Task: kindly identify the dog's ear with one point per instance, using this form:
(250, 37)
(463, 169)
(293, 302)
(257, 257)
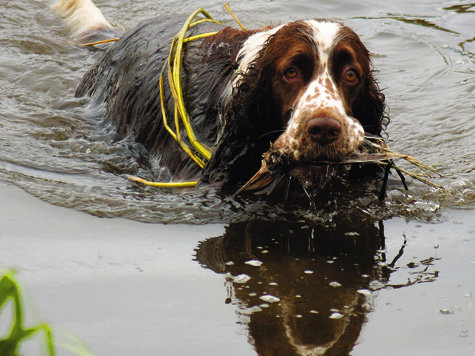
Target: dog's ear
(369, 107)
(232, 162)
(251, 123)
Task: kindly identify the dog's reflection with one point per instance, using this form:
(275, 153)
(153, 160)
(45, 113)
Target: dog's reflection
(300, 288)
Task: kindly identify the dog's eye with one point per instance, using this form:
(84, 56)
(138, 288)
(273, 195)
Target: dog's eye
(351, 76)
(291, 73)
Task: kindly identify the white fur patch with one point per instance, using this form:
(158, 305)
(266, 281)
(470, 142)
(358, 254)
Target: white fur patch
(252, 46)
(81, 16)
(247, 54)
(325, 36)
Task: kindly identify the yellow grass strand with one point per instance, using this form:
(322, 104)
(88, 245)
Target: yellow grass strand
(190, 184)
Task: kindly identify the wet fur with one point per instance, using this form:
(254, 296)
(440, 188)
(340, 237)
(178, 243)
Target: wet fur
(123, 87)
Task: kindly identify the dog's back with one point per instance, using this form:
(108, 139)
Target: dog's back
(124, 84)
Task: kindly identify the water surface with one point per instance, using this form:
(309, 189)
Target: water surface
(424, 54)
(52, 149)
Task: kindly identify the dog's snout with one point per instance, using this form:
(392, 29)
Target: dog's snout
(323, 130)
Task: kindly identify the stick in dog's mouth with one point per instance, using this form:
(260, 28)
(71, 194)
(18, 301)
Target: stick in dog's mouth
(374, 150)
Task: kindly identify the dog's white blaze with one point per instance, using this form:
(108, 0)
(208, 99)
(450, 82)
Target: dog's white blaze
(319, 95)
(325, 35)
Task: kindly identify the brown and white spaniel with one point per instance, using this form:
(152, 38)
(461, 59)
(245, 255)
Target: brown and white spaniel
(303, 92)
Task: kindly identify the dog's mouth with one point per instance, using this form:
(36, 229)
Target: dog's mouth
(310, 174)
(314, 175)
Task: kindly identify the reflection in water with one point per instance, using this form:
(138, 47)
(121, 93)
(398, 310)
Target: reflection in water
(465, 46)
(300, 289)
(305, 290)
(419, 22)
(462, 8)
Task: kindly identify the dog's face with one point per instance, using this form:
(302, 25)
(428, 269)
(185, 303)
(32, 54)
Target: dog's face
(318, 71)
(307, 87)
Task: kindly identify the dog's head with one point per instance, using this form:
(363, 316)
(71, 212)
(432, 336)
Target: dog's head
(307, 87)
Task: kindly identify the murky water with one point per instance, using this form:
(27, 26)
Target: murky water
(424, 53)
(49, 146)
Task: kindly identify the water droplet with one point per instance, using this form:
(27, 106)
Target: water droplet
(254, 263)
(446, 311)
(374, 285)
(335, 284)
(254, 309)
(336, 316)
(269, 298)
(364, 291)
(242, 278)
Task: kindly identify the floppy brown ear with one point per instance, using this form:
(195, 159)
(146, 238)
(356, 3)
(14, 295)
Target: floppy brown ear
(250, 127)
(370, 107)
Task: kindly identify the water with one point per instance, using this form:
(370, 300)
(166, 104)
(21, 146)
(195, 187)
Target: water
(424, 54)
(49, 147)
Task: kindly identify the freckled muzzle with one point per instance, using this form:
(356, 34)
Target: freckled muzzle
(319, 128)
(322, 135)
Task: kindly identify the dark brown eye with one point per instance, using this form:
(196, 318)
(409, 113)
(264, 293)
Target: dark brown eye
(351, 76)
(291, 73)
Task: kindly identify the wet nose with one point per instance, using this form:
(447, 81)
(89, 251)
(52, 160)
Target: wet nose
(323, 130)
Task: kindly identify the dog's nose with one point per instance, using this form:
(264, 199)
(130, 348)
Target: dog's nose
(323, 130)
